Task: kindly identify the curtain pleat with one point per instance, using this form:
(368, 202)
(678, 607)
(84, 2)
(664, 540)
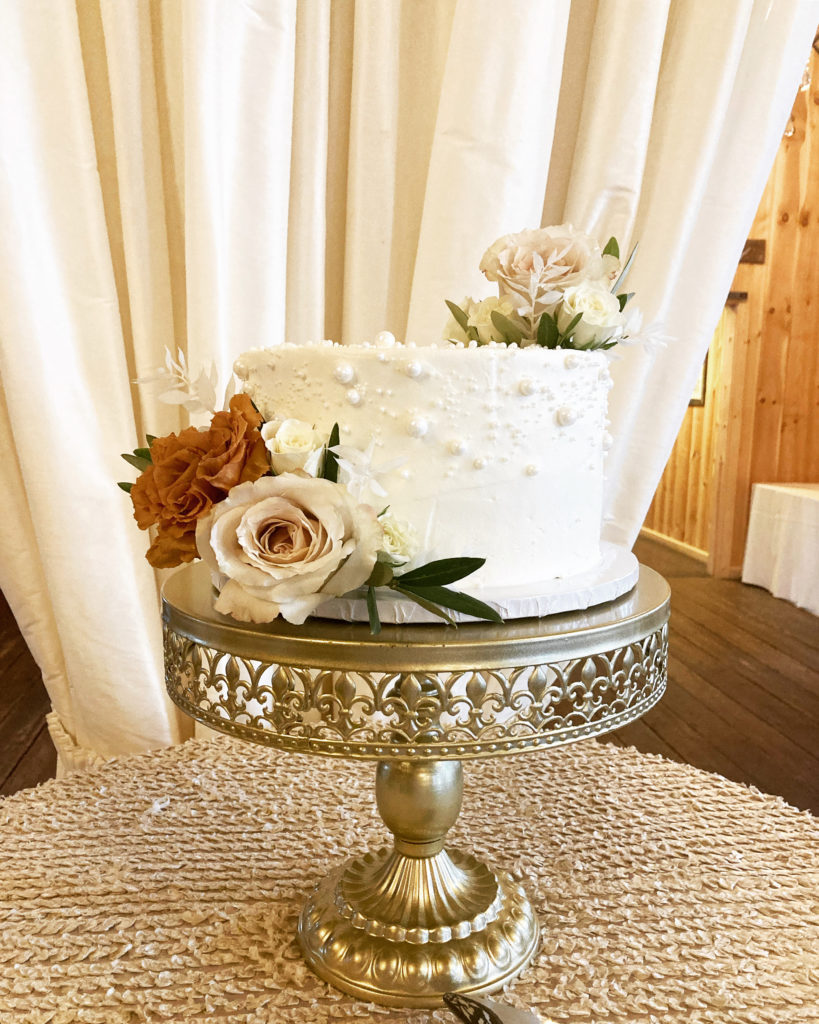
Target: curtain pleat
(238, 62)
(212, 176)
(307, 215)
(714, 137)
(65, 376)
(490, 153)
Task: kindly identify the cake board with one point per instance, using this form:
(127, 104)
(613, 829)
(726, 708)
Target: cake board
(614, 575)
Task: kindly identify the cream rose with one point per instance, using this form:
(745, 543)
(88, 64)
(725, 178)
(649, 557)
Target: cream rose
(602, 319)
(535, 266)
(400, 540)
(479, 316)
(282, 545)
(290, 444)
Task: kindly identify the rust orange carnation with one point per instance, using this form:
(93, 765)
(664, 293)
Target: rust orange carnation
(190, 472)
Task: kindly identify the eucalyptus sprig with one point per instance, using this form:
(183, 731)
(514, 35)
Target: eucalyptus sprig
(427, 586)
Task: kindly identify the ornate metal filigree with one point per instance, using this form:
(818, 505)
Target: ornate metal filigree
(424, 714)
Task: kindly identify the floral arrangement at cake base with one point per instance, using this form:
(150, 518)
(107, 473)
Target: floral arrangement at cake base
(288, 518)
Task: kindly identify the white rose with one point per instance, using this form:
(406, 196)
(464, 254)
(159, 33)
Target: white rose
(479, 316)
(540, 263)
(290, 443)
(602, 319)
(400, 539)
(282, 545)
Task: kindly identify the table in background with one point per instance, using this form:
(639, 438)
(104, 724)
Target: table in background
(782, 549)
(166, 887)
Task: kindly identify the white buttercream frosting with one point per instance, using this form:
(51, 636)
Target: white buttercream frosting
(497, 451)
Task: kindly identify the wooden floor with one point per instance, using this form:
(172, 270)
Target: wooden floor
(27, 755)
(742, 699)
(743, 683)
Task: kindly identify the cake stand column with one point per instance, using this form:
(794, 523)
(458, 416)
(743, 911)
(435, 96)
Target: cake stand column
(402, 926)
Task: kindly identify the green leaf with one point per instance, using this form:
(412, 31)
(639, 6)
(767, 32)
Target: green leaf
(574, 322)
(455, 600)
(623, 298)
(548, 334)
(143, 453)
(125, 486)
(136, 462)
(150, 438)
(460, 317)
(443, 570)
(372, 612)
(430, 607)
(329, 469)
(612, 248)
(510, 331)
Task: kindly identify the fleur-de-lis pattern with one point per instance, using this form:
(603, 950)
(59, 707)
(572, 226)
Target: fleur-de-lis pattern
(423, 714)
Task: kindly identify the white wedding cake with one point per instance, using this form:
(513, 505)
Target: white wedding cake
(491, 451)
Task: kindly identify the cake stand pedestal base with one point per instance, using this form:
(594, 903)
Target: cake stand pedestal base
(403, 926)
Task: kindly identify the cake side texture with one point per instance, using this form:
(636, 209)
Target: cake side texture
(491, 451)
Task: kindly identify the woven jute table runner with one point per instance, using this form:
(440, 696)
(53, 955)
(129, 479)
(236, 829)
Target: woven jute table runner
(167, 887)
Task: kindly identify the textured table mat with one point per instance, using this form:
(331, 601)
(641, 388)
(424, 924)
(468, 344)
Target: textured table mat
(167, 887)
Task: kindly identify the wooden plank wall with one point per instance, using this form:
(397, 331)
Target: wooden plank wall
(681, 506)
(764, 423)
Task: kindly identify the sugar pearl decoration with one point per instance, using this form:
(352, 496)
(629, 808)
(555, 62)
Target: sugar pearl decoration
(566, 416)
(457, 446)
(344, 373)
(572, 361)
(418, 426)
(385, 339)
(413, 369)
(354, 397)
(531, 469)
(479, 463)
(526, 386)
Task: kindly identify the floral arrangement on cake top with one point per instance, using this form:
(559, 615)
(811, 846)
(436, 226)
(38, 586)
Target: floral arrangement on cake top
(556, 288)
(274, 511)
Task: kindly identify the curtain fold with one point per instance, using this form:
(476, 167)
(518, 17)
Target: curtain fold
(65, 378)
(214, 176)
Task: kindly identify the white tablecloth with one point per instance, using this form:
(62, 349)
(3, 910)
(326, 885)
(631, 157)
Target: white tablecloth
(782, 550)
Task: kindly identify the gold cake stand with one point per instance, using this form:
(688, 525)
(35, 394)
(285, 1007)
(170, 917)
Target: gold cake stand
(407, 923)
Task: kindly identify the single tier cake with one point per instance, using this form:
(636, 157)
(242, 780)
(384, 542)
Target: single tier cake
(492, 451)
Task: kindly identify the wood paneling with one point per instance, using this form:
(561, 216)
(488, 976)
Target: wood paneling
(681, 506)
(760, 423)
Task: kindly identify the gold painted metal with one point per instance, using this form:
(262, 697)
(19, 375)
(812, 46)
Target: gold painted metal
(403, 925)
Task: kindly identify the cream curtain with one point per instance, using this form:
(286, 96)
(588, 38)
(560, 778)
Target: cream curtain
(215, 175)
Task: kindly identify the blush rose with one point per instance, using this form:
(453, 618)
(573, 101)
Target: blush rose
(544, 261)
(283, 545)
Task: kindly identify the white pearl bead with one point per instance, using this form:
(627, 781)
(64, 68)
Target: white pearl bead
(572, 361)
(354, 397)
(457, 446)
(418, 427)
(531, 469)
(413, 369)
(344, 373)
(385, 339)
(479, 463)
(566, 416)
(526, 386)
